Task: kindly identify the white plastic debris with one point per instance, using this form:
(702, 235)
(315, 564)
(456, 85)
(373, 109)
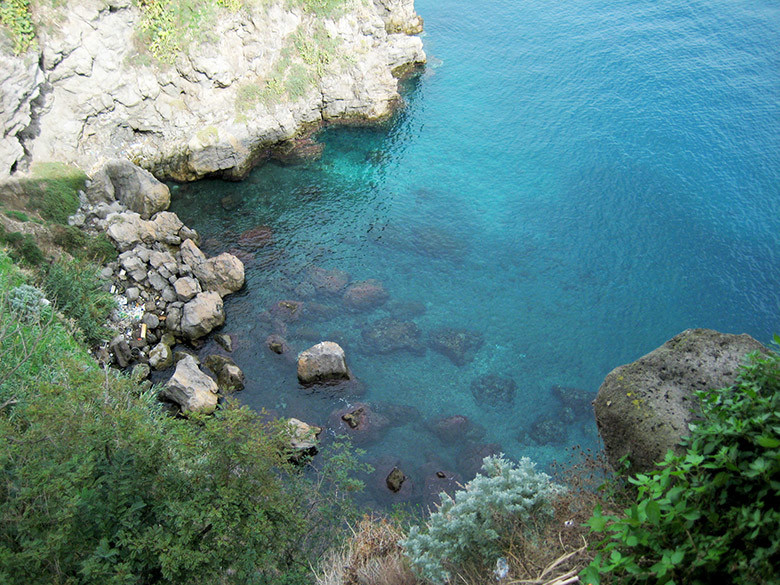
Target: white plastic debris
(502, 569)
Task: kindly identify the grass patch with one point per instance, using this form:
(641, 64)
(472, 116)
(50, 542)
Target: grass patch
(18, 215)
(54, 190)
(83, 246)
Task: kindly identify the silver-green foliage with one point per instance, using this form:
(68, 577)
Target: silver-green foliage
(470, 526)
(25, 301)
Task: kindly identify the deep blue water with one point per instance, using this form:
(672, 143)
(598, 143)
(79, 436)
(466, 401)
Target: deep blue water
(577, 181)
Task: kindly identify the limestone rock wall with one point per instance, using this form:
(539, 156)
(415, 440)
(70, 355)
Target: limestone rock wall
(98, 97)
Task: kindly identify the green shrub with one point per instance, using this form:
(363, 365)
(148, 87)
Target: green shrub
(470, 527)
(710, 515)
(15, 16)
(17, 215)
(24, 248)
(54, 190)
(99, 486)
(76, 289)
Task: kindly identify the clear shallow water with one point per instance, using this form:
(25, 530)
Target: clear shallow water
(577, 181)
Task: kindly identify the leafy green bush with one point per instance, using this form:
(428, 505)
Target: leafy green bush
(15, 16)
(710, 515)
(76, 289)
(54, 190)
(469, 528)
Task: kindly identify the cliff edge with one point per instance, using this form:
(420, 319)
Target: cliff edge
(206, 96)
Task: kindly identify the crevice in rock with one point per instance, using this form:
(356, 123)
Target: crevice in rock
(27, 135)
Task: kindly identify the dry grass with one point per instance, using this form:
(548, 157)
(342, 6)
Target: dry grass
(372, 556)
(550, 552)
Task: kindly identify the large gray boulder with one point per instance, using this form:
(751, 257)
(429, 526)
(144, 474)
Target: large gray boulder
(643, 409)
(202, 314)
(324, 362)
(190, 388)
(303, 439)
(135, 188)
(223, 274)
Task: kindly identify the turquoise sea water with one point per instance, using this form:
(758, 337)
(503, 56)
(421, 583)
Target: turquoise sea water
(576, 181)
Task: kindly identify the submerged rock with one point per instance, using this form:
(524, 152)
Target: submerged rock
(360, 422)
(324, 362)
(459, 345)
(327, 281)
(579, 401)
(457, 430)
(365, 296)
(390, 335)
(644, 408)
(494, 390)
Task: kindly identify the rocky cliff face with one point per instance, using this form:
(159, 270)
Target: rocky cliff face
(255, 77)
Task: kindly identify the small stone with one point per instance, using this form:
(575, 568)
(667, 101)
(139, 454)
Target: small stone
(152, 321)
(224, 341)
(132, 294)
(140, 372)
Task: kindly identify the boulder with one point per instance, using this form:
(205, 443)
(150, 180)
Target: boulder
(323, 362)
(230, 378)
(643, 409)
(223, 274)
(121, 350)
(303, 439)
(202, 314)
(494, 390)
(459, 345)
(186, 288)
(225, 341)
(390, 335)
(365, 296)
(190, 388)
(132, 186)
(128, 229)
(395, 479)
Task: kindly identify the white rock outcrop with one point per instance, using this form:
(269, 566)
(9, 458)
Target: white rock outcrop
(92, 98)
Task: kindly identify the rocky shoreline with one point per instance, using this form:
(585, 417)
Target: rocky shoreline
(260, 79)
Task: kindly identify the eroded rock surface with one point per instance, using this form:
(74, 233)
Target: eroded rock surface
(87, 95)
(190, 388)
(644, 408)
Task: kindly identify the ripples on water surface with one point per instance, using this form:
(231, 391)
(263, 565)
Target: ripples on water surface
(576, 181)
